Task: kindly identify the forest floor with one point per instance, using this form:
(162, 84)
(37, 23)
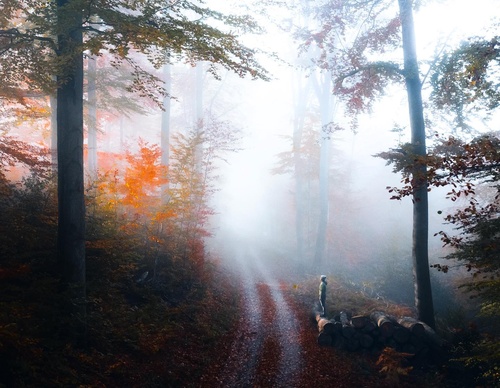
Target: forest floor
(274, 344)
(261, 335)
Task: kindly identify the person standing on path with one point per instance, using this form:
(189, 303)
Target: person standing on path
(322, 293)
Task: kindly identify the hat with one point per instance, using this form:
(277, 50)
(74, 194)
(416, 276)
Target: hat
(323, 277)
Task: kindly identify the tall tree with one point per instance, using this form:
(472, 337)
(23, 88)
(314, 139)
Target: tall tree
(301, 94)
(420, 251)
(71, 220)
(325, 98)
(92, 116)
(360, 81)
(183, 29)
(165, 126)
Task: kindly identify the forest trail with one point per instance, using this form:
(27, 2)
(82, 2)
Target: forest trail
(266, 351)
(274, 343)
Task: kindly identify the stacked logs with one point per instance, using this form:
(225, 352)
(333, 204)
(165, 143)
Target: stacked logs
(376, 331)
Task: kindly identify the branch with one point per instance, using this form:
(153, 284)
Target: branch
(436, 59)
(387, 66)
(17, 37)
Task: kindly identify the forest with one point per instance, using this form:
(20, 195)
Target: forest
(176, 176)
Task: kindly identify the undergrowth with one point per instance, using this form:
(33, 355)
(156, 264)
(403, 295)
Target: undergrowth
(140, 331)
(471, 356)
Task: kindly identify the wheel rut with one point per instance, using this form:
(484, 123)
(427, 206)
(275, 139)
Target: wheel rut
(266, 351)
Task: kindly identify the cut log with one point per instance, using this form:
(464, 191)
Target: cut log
(318, 316)
(324, 339)
(409, 348)
(383, 322)
(359, 321)
(415, 327)
(432, 337)
(352, 345)
(369, 327)
(343, 318)
(337, 327)
(347, 330)
(326, 326)
(401, 334)
(338, 341)
(366, 340)
(417, 341)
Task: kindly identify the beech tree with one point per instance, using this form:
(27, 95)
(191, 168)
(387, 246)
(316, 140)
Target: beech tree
(465, 84)
(359, 81)
(40, 40)
(470, 171)
(465, 81)
(318, 50)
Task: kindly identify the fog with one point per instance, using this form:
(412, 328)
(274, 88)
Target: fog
(369, 235)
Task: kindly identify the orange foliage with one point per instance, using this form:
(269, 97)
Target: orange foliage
(143, 178)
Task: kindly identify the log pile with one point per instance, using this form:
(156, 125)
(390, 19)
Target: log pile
(376, 331)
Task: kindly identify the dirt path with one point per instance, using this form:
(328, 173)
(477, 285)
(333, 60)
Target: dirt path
(266, 351)
(274, 344)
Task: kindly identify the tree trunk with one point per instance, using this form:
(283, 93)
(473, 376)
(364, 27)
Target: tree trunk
(325, 99)
(71, 222)
(199, 125)
(53, 131)
(302, 94)
(384, 323)
(423, 292)
(92, 117)
(165, 128)
(414, 326)
(325, 325)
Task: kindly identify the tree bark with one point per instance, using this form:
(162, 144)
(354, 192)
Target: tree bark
(92, 117)
(359, 321)
(324, 339)
(325, 325)
(384, 323)
(325, 100)
(53, 131)
(423, 292)
(71, 219)
(414, 326)
(299, 111)
(401, 334)
(165, 128)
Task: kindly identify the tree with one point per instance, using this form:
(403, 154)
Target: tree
(471, 169)
(30, 56)
(465, 80)
(420, 251)
(191, 174)
(315, 58)
(465, 83)
(359, 81)
(324, 95)
(70, 178)
(165, 127)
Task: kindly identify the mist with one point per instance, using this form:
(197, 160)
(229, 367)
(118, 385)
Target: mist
(368, 238)
(369, 235)
(177, 179)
